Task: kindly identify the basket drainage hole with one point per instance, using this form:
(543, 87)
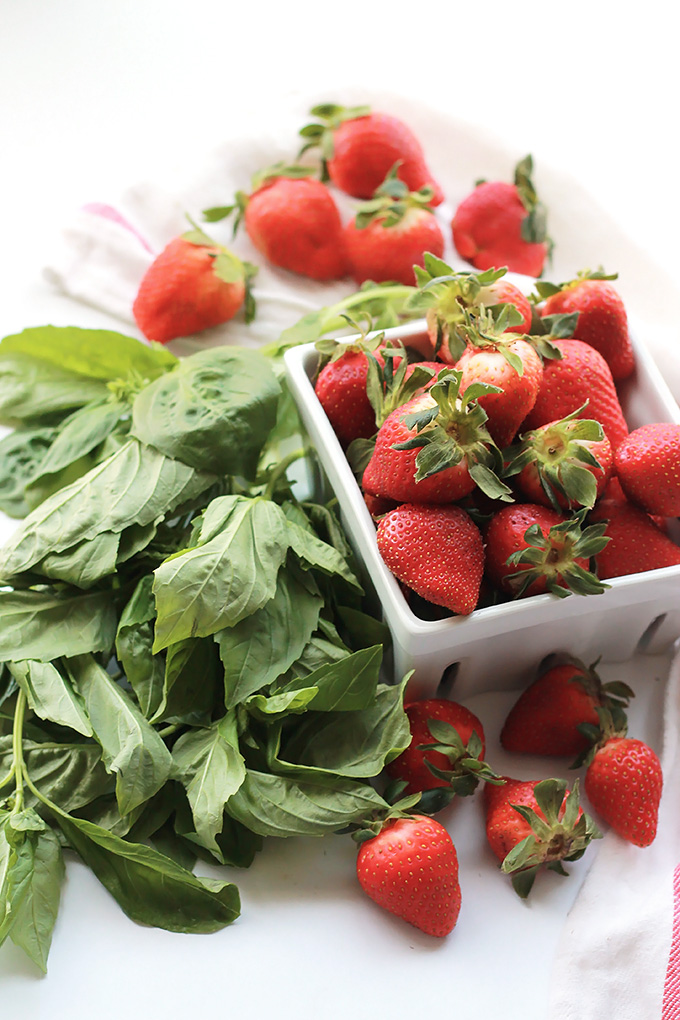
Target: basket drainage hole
(650, 632)
(448, 678)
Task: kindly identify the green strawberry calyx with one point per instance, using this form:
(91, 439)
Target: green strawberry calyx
(391, 201)
(227, 266)
(467, 769)
(237, 208)
(451, 427)
(553, 556)
(319, 133)
(545, 289)
(562, 457)
(612, 723)
(535, 223)
(559, 832)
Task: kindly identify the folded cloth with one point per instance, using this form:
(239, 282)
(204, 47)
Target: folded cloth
(619, 952)
(104, 252)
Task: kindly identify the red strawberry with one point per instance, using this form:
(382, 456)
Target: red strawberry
(623, 783)
(579, 381)
(602, 319)
(530, 825)
(194, 284)
(532, 549)
(546, 717)
(410, 868)
(501, 224)
(437, 551)
(636, 544)
(648, 468)
(455, 759)
(360, 147)
(391, 233)
(295, 224)
(513, 366)
(434, 449)
(563, 464)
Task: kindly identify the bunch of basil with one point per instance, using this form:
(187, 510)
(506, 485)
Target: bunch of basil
(186, 663)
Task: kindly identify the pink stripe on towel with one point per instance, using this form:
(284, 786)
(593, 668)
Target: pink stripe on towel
(671, 990)
(109, 213)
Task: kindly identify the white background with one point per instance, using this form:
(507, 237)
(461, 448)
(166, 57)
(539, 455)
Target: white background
(95, 96)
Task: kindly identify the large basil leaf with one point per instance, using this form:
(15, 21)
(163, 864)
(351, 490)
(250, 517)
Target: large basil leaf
(144, 671)
(263, 646)
(20, 455)
(136, 485)
(36, 914)
(32, 391)
(70, 774)
(346, 685)
(211, 770)
(151, 888)
(131, 748)
(45, 625)
(214, 411)
(227, 576)
(287, 806)
(191, 682)
(51, 695)
(90, 353)
(85, 563)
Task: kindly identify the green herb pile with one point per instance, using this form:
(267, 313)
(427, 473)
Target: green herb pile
(186, 660)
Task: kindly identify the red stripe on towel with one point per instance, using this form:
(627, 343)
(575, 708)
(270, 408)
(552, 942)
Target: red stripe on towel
(671, 989)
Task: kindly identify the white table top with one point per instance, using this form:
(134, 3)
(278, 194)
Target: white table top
(96, 96)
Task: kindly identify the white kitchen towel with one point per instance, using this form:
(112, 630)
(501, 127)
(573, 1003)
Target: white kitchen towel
(101, 262)
(619, 953)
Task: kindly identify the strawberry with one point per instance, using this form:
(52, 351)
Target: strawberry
(194, 284)
(359, 147)
(623, 783)
(532, 549)
(444, 296)
(532, 825)
(546, 717)
(391, 233)
(437, 551)
(636, 544)
(445, 754)
(292, 219)
(502, 224)
(410, 868)
(507, 362)
(580, 380)
(435, 448)
(602, 320)
(648, 468)
(563, 464)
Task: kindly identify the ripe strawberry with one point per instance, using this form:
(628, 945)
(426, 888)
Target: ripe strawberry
(391, 233)
(636, 544)
(511, 365)
(501, 224)
(446, 749)
(546, 717)
(648, 468)
(579, 381)
(434, 449)
(532, 549)
(532, 825)
(623, 783)
(359, 147)
(410, 868)
(602, 319)
(437, 551)
(194, 284)
(563, 464)
(341, 389)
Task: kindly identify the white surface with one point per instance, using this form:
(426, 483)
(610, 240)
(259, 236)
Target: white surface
(98, 96)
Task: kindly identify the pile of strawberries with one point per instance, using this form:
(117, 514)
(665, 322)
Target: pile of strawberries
(293, 219)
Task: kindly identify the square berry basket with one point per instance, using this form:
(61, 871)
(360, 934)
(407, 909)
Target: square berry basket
(497, 647)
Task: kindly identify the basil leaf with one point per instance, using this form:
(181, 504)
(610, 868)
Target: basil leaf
(131, 748)
(70, 774)
(85, 563)
(31, 391)
(45, 625)
(192, 677)
(316, 553)
(151, 888)
(214, 411)
(284, 806)
(17, 851)
(344, 686)
(50, 695)
(20, 455)
(90, 353)
(288, 703)
(36, 915)
(144, 671)
(136, 485)
(262, 646)
(227, 576)
(211, 770)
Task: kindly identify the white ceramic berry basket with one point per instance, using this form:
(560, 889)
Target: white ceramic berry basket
(497, 647)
